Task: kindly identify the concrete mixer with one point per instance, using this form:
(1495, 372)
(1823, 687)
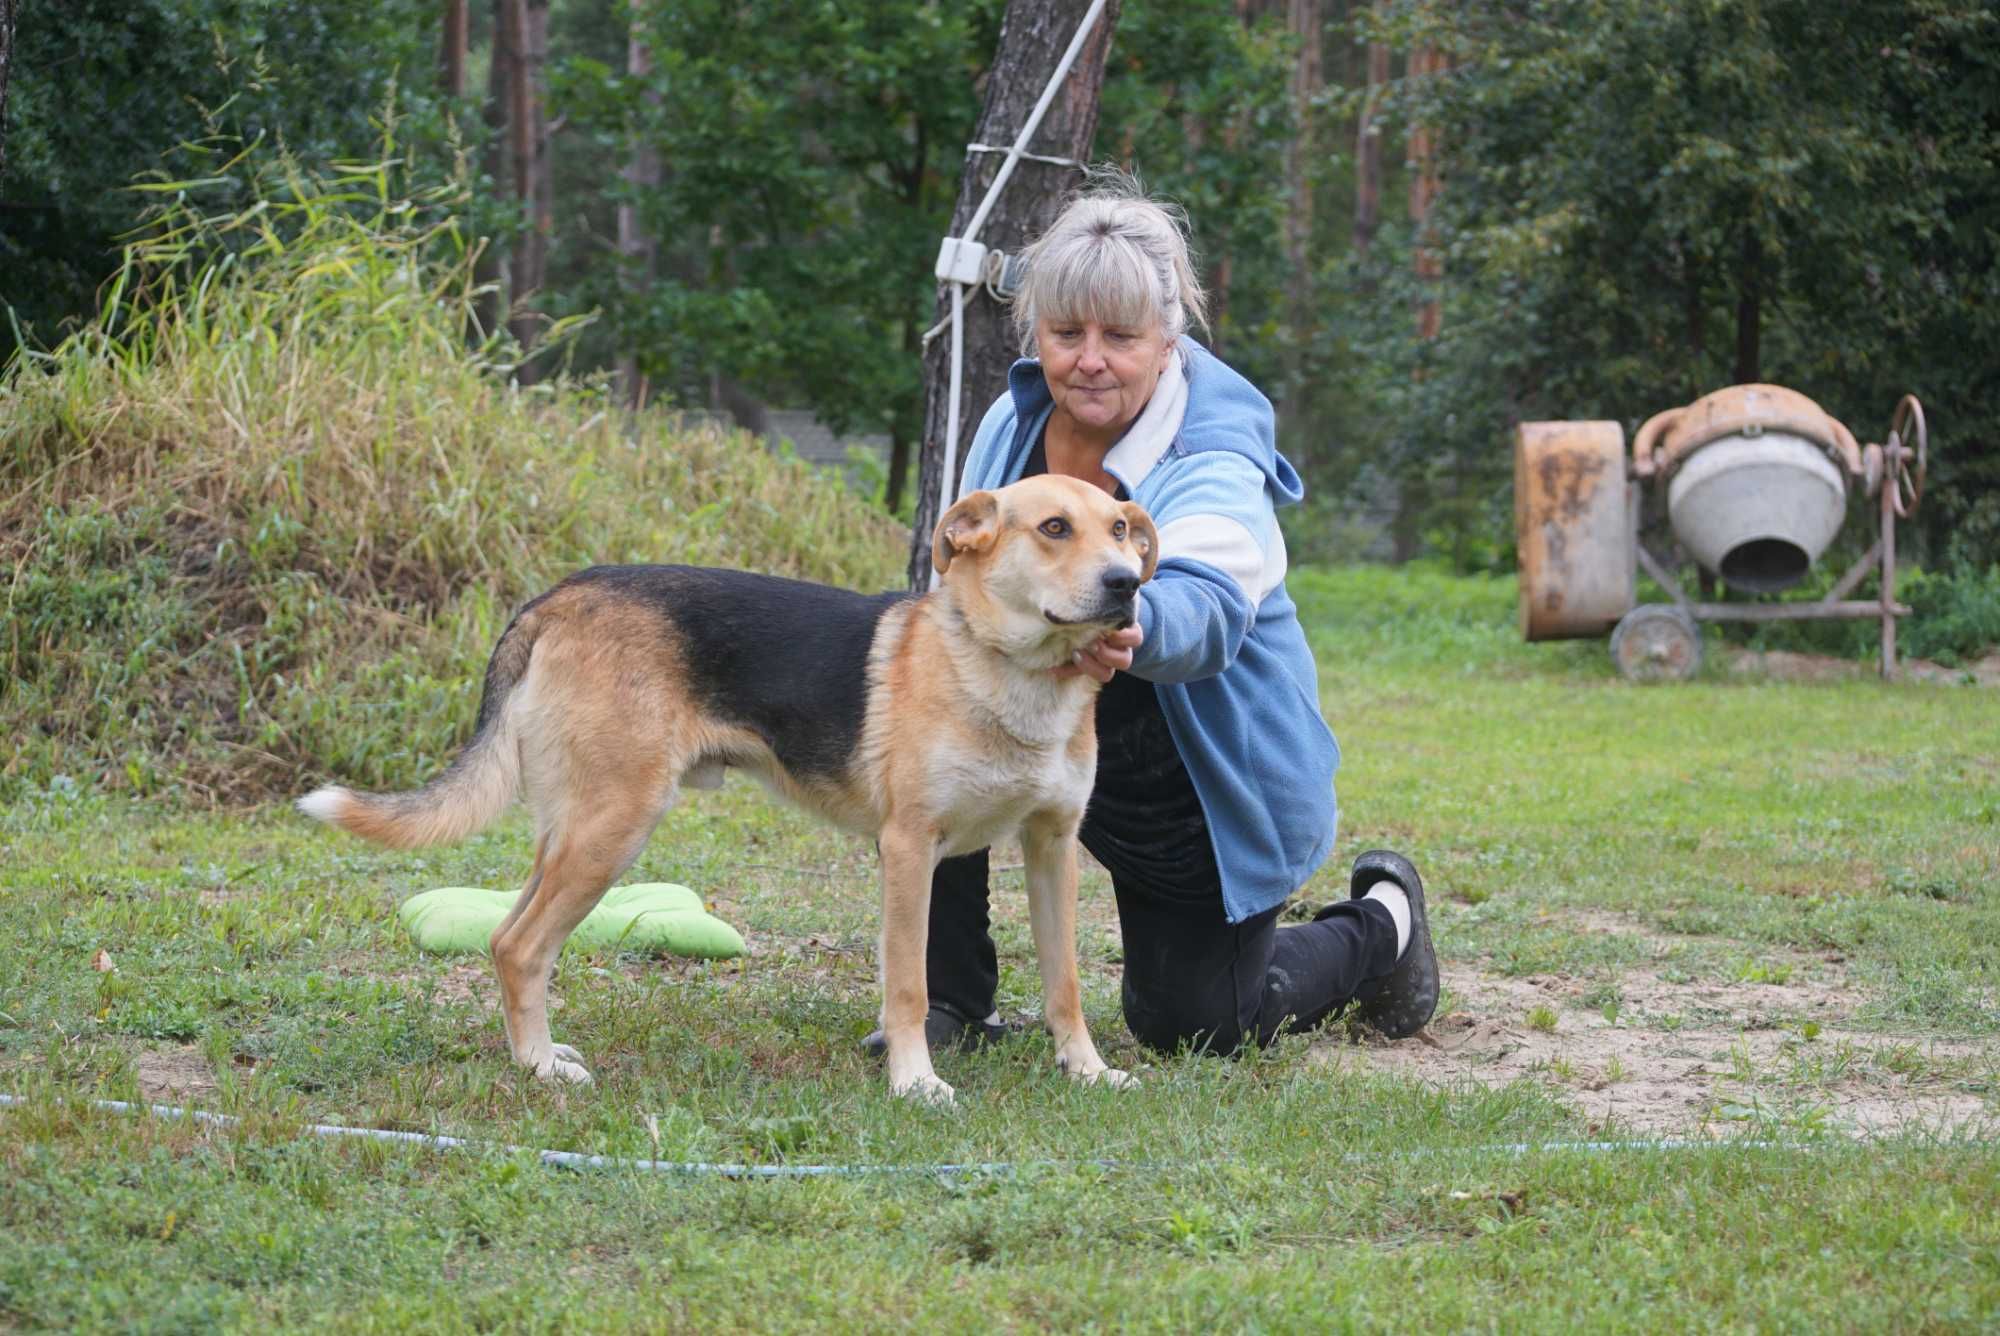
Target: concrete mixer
(1752, 483)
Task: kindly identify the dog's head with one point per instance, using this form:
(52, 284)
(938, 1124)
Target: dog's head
(1046, 565)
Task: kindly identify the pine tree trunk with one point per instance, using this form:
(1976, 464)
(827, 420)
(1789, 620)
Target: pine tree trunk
(451, 48)
(487, 270)
(1749, 312)
(529, 143)
(635, 246)
(1307, 79)
(6, 66)
(1428, 264)
(1307, 26)
(1368, 154)
(1033, 36)
(1695, 313)
(1221, 273)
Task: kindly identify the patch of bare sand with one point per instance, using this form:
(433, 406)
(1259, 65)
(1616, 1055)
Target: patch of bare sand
(1683, 1058)
(174, 1073)
(470, 981)
(1788, 666)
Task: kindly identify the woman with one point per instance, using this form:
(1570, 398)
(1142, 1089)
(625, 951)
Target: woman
(1214, 795)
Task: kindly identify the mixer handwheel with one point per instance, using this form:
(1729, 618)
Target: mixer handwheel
(1907, 466)
(1656, 642)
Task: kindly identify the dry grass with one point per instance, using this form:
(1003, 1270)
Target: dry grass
(276, 492)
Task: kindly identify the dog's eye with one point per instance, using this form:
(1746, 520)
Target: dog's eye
(1056, 527)
(1118, 529)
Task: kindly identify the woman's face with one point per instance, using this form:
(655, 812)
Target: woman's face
(1101, 375)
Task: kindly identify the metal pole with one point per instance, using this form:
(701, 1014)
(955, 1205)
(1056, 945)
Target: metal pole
(1889, 566)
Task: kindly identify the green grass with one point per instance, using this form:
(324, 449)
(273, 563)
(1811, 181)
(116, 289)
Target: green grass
(1739, 830)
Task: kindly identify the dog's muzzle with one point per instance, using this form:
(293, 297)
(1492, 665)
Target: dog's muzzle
(1117, 605)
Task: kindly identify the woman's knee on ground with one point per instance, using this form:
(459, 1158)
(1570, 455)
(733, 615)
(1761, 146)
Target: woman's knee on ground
(1168, 1025)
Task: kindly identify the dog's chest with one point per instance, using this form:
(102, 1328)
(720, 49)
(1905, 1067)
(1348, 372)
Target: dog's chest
(986, 793)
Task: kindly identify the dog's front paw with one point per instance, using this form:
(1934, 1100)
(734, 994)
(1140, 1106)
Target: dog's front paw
(925, 1089)
(1090, 1070)
(563, 1064)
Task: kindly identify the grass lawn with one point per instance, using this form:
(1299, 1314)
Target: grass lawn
(1756, 913)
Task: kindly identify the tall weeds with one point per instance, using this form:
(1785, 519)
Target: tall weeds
(263, 518)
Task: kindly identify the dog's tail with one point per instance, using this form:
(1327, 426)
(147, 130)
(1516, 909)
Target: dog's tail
(481, 780)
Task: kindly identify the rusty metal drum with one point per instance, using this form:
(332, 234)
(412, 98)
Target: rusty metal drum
(1573, 528)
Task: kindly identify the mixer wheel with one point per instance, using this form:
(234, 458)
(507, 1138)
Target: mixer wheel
(1656, 642)
(1908, 464)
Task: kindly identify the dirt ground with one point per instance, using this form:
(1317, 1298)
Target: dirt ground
(1787, 666)
(174, 1075)
(1696, 1057)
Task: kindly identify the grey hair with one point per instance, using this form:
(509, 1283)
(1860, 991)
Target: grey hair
(1115, 255)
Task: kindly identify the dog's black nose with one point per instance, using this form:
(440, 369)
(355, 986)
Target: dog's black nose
(1121, 583)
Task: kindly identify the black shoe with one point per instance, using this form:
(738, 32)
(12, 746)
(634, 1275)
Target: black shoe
(1402, 1002)
(945, 1028)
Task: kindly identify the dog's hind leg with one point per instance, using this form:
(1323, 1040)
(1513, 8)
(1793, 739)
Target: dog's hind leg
(593, 846)
(1048, 848)
(521, 902)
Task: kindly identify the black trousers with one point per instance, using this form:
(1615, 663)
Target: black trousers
(1191, 976)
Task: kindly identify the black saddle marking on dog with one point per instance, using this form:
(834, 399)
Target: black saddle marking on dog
(785, 658)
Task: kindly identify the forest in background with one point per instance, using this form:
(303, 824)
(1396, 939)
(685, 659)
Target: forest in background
(1421, 223)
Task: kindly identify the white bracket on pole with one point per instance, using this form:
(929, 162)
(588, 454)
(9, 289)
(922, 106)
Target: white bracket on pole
(961, 261)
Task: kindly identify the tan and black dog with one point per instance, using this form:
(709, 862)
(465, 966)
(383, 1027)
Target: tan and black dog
(933, 723)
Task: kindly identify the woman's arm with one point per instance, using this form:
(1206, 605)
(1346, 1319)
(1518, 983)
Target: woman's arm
(1220, 553)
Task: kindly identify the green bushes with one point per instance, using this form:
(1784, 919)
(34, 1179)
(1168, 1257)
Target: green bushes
(1954, 615)
(263, 519)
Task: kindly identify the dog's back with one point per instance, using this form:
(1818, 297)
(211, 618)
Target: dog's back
(784, 659)
(665, 673)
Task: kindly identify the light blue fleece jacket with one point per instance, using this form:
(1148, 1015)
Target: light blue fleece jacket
(1223, 645)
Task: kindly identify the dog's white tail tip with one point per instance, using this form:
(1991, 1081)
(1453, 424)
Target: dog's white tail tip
(325, 804)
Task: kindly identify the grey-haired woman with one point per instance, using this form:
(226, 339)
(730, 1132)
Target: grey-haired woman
(1214, 797)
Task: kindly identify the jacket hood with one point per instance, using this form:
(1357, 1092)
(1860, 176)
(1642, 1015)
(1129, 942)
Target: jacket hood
(1223, 411)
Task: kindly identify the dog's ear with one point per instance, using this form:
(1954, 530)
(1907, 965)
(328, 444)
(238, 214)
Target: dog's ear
(1144, 537)
(969, 526)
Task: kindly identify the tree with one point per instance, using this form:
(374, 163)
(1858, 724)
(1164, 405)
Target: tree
(1368, 152)
(528, 150)
(1644, 202)
(102, 92)
(1308, 78)
(808, 153)
(1204, 98)
(452, 40)
(1425, 63)
(641, 174)
(1033, 37)
(6, 64)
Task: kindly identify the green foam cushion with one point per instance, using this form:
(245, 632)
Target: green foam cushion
(654, 916)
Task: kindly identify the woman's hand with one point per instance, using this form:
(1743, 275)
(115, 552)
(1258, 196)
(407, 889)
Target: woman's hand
(1112, 654)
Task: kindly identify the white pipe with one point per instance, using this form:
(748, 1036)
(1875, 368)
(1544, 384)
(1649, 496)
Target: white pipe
(947, 482)
(566, 1159)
